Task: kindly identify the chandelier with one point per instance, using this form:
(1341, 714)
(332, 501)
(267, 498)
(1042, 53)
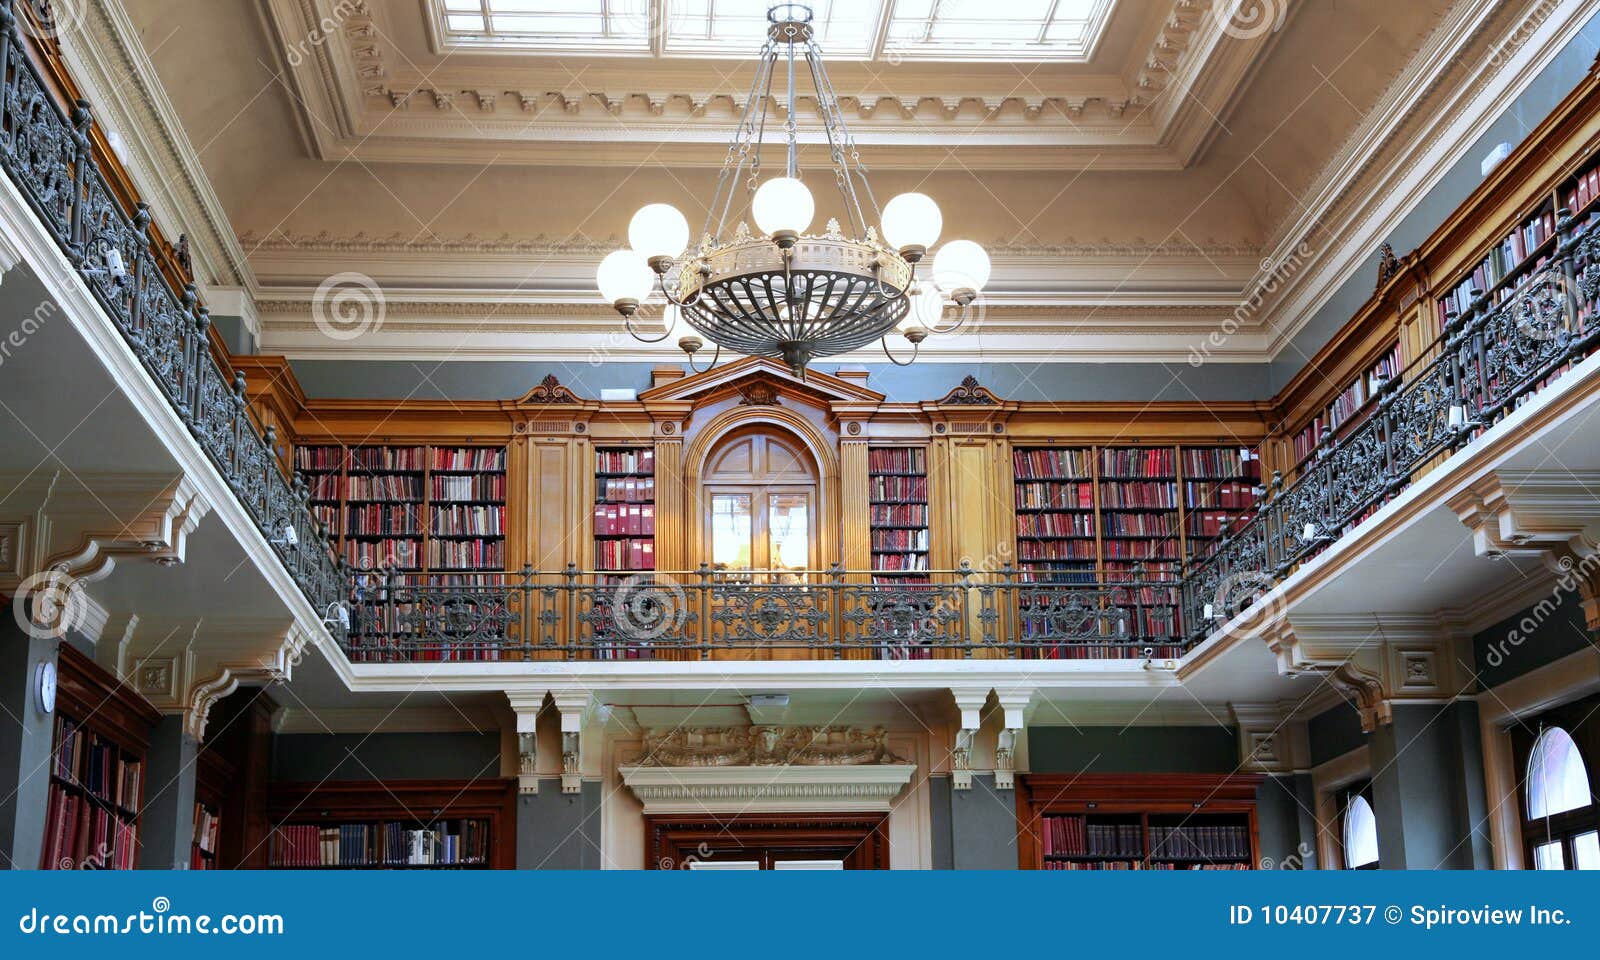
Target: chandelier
(785, 293)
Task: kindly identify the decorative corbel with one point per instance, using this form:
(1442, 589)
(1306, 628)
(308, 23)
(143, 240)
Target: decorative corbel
(1351, 663)
(1013, 709)
(573, 707)
(969, 701)
(527, 754)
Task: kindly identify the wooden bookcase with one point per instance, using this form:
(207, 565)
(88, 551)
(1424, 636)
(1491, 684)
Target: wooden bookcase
(479, 813)
(1348, 409)
(624, 514)
(897, 504)
(215, 776)
(1115, 514)
(1099, 821)
(98, 769)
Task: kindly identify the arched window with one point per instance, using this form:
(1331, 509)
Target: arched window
(1360, 834)
(1561, 806)
(1557, 778)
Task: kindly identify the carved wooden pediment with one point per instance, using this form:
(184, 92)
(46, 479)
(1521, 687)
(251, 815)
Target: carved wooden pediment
(761, 381)
(548, 392)
(971, 393)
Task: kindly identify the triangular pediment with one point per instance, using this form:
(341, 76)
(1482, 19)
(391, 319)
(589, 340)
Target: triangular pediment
(754, 375)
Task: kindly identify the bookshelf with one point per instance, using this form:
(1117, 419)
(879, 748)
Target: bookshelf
(396, 825)
(1112, 515)
(417, 508)
(1350, 406)
(624, 511)
(1138, 821)
(897, 505)
(97, 769)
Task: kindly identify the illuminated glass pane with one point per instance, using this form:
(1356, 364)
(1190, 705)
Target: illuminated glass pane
(1360, 833)
(1586, 851)
(730, 531)
(1549, 856)
(1557, 779)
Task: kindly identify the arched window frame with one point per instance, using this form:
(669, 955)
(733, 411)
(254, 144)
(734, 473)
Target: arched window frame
(1358, 802)
(1568, 838)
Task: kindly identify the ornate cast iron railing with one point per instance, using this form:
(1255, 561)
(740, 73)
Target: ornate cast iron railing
(704, 614)
(1490, 359)
(48, 157)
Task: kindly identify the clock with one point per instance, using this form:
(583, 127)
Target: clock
(44, 685)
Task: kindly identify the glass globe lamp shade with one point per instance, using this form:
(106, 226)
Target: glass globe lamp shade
(961, 269)
(911, 224)
(624, 280)
(783, 208)
(658, 233)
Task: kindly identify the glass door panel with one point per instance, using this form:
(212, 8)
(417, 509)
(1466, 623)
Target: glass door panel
(789, 531)
(732, 538)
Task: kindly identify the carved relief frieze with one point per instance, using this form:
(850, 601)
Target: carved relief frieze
(768, 746)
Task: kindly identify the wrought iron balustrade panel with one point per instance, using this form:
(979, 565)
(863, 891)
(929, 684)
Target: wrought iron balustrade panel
(902, 621)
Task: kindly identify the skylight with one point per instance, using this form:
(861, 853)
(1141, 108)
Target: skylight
(866, 29)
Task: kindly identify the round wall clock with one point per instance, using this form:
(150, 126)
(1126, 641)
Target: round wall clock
(44, 684)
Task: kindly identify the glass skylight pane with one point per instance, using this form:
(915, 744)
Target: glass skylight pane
(546, 6)
(550, 24)
(1070, 30)
(462, 6)
(463, 23)
(1037, 29)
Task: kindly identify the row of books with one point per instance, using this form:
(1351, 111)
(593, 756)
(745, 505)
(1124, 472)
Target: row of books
(467, 554)
(1201, 841)
(1138, 494)
(624, 519)
(1346, 404)
(1138, 524)
(480, 487)
(1051, 464)
(1140, 549)
(487, 459)
(474, 520)
(625, 554)
(95, 764)
(447, 843)
(334, 458)
(897, 460)
(1094, 865)
(1204, 525)
(898, 489)
(381, 554)
(1136, 462)
(1104, 651)
(324, 486)
(1055, 524)
(391, 487)
(81, 834)
(1584, 191)
(1235, 495)
(207, 834)
(898, 514)
(1056, 550)
(1220, 463)
(370, 519)
(630, 490)
(900, 561)
(1075, 836)
(640, 460)
(899, 541)
(1142, 621)
(1502, 260)
(1059, 496)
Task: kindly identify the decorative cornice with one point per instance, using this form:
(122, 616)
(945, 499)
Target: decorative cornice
(766, 746)
(755, 789)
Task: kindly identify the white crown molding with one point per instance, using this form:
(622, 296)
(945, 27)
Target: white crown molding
(356, 98)
(109, 63)
(1420, 128)
(767, 789)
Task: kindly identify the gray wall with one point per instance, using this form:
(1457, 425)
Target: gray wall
(496, 380)
(385, 756)
(1286, 823)
(166, 824)
(1514, 123)
(983, 827)
(1427, 791)
(25, 737)
(1546, 631)
(1132, 750)
(559, 831)
(1334, 733)
(940, 823)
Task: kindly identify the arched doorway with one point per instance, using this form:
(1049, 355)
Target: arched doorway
(759, 499)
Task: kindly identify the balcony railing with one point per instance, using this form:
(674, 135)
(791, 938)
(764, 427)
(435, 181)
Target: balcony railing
(705, 614)
(1489, 360)
(48, 157)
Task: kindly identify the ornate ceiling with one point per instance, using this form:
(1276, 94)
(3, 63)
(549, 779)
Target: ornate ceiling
(1199, 160)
